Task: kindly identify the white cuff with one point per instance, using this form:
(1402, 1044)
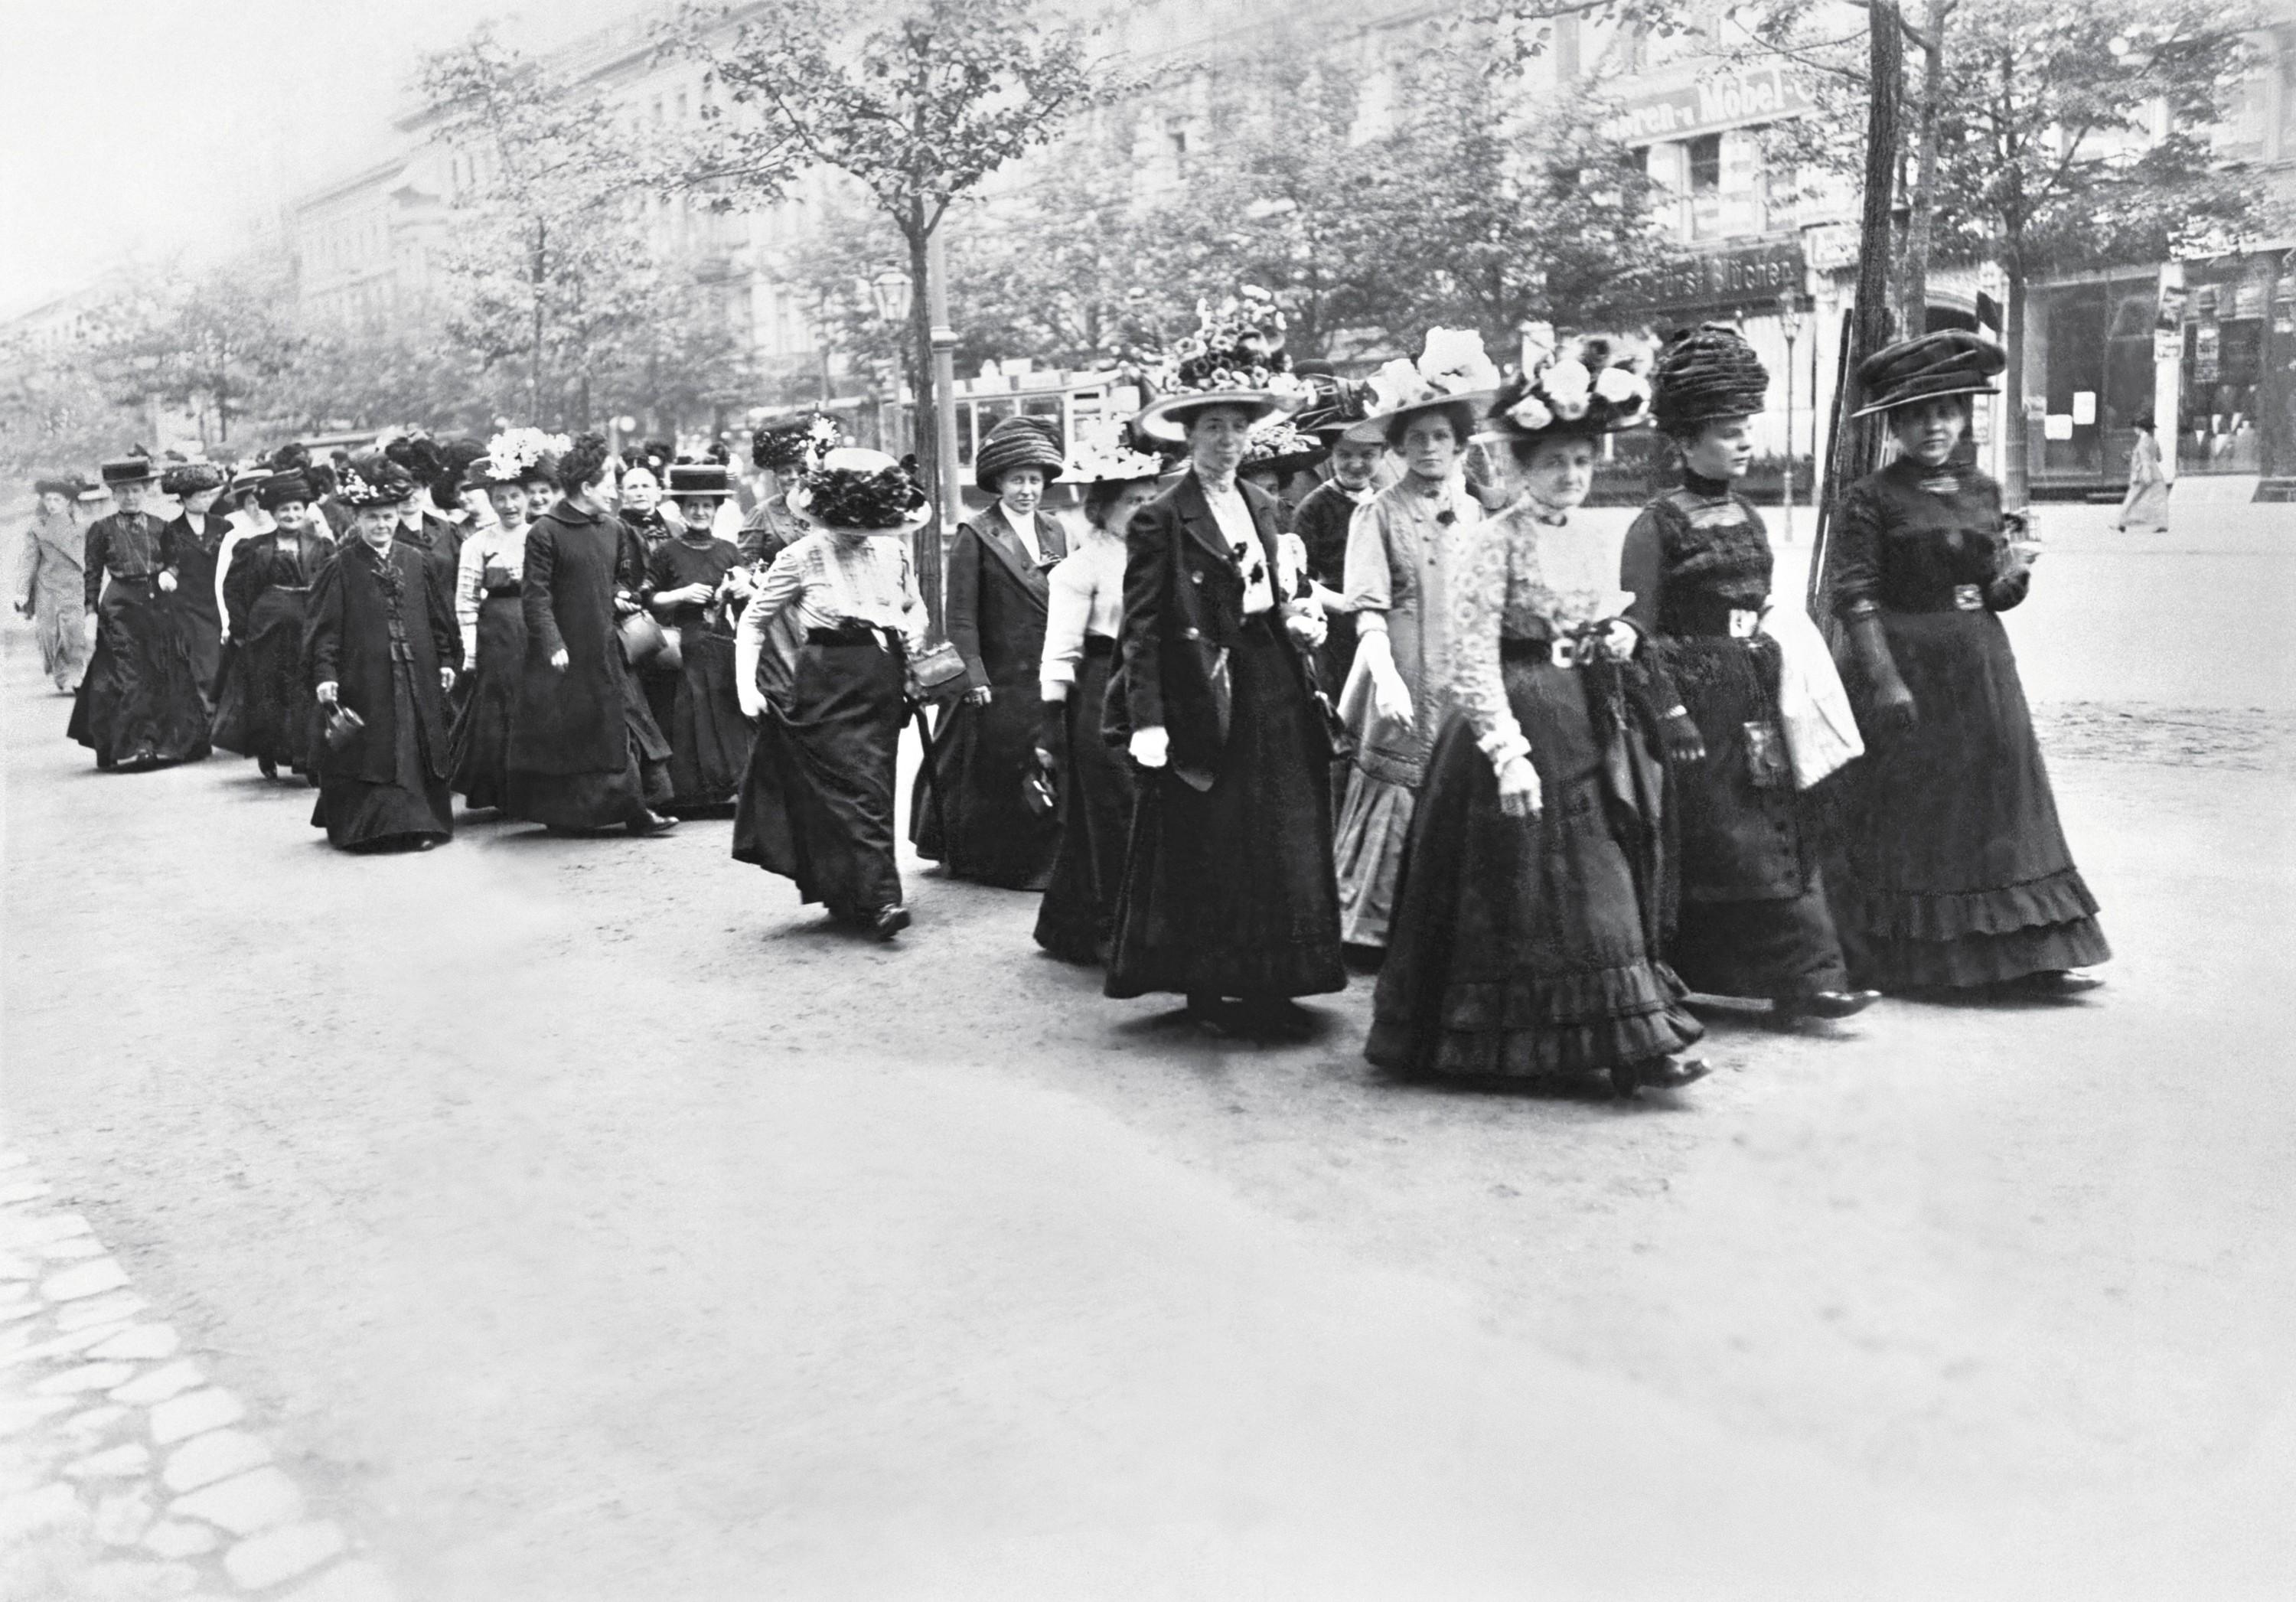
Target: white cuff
(1504, 745)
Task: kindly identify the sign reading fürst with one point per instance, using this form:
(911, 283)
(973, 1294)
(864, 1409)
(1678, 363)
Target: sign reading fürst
(1720, 100)
(1754, 276)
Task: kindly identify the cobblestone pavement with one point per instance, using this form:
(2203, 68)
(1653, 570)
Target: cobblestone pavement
(125, 1474)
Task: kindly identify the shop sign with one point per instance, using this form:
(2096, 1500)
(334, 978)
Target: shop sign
(1719, 101)
(2206, 349)
(2168, 345)
(1749, 279)
(1831, 246)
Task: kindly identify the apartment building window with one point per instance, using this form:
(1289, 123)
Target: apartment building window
(681, 105)
(657, 111)
(1705, 160)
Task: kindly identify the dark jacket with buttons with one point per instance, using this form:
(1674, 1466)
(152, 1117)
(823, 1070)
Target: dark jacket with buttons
(1183, 614)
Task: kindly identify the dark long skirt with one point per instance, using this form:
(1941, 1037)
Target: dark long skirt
(817, 804)
(586, 803)
(1229, 891)
(266, 708)
(1957, 873)
(1078, 913)
(1754, 917)
(480, 743)
(141, 700)
(1521, 948)
(709, 737)
(413, 806)
(980, 756)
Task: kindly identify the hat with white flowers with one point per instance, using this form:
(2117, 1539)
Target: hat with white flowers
(1596, 387)
(1234, 358)
(1452, 371)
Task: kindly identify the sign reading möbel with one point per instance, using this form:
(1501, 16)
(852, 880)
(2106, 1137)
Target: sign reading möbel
(1721, 99)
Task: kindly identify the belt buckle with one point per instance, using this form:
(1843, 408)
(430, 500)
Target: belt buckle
(1968, 597)
(1743, 622)
(1563, 653)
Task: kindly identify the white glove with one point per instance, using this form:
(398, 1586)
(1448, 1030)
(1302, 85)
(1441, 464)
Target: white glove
(1151, 747)
(1620, 638)
(1308, 628)
(752, 700)
(1519, 788)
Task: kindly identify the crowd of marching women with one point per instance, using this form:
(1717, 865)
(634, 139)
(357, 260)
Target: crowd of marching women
(1327, 678)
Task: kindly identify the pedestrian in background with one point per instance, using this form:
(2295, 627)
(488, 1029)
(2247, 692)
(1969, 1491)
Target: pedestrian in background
(141, 702)
(585, 755)
(2146, 505)
(379, 652)
(1084, 613)
(54, 570)
(1524, 943)
(984, 826)
(1400, 547)
(490, 612)
(1754, 919)
(1228, 897)
(264, 710)
(695, 584)
(817, 806)
(1957, 871)
(191, 552)
(782, 451)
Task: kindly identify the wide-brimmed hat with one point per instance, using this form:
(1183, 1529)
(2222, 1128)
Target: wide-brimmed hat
(1705, 373)
(1234, 358)
(374, 481)
(180, 479)
(522, 455)
(1949, 362)
(96, 491)
(789, 445)
(1019, 442)
(1594, 388)
(1451, 371)
(134, 468)
(1099, 455)
(699, 481)
(860, 491)
(1282, 445)
(282, 487)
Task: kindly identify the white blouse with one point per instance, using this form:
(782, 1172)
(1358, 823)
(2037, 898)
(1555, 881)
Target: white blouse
(490, 545)
(825, 581)
(1087, 598)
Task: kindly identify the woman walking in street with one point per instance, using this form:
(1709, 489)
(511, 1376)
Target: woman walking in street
(1083, 612)
(817, 804)
(380, 652)
(141, 702)
(55, 550)
(1400, 546)
(983, 827)
(190, 554)
(694, 582)
(2146, 505)
(265, 709)
(1523, 944)
(1754, 919)
(490, 610)
(1957, 871)
(584, 754)
(1228, 897)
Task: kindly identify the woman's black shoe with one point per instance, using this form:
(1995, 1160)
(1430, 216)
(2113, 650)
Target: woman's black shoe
(268, 767)
(1827, 1004)
(2057, 982)
(652, 823)
(890, 920)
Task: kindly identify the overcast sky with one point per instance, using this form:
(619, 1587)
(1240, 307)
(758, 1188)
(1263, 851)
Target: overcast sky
(147, 127)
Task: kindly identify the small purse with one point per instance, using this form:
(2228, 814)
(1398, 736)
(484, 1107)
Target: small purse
(344, 727)
(643, 639)
(935, 673)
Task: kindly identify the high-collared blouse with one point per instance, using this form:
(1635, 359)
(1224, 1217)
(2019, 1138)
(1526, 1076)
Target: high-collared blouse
(1087, 598)
(1518, 578)
(486, 545)
(830, 581)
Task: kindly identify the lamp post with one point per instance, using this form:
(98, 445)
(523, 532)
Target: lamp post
(1790, 310)
(944, 379)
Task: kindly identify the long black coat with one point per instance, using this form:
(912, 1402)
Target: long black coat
(997, 599)
(355, 626)
(572, 721)
(192, 558)
(439, 544)
(1183, 614)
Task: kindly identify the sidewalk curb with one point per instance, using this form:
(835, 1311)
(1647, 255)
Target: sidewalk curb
(124, 1473)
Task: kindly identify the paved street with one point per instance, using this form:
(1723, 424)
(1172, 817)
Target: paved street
(584, 1219)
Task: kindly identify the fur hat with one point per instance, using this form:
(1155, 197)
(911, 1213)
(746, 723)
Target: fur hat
(1949, 362)
(861, 491)
(281, 488)
(191, 478)
(793, 444)
(1703, 374)
(1594, 389)
(1018, 442)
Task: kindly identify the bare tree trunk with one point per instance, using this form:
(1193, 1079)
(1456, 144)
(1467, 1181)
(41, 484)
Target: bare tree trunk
(925, 431)
(2016, 462)
(1914, 288)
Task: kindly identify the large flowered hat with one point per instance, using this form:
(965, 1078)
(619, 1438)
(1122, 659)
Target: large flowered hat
(1234, 358)
(1452, 371)
(792, 444)
(857, 490)
(1596, 386)
(522, 455)
(372, 481)
(1099, 455)
(1704, 373)
(1282, 445)
(1949, 362)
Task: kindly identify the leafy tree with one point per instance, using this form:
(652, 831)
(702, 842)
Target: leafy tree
(917, 100)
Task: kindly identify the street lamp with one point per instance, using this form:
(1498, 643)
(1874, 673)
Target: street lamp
(890, 292)
(1790, 313)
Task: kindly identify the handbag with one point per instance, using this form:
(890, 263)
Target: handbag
(643, 639)
(344, 726)
(935, 673)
